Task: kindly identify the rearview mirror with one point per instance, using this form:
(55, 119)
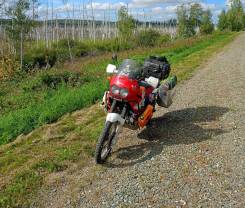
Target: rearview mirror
(111, 69)
(114, 58)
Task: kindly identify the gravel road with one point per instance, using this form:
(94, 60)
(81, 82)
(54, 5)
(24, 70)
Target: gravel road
(193, 156)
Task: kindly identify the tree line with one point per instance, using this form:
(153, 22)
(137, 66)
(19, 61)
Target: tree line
(193, 19)
(234, 18)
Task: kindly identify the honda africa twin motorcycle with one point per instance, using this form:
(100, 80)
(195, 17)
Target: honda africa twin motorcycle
(131, 100)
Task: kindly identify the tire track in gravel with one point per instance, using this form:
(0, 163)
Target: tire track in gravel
(194, 154)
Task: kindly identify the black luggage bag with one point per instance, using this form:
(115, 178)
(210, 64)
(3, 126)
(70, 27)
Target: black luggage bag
(157, 67)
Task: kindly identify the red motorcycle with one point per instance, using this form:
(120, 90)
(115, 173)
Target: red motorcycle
(130, 102)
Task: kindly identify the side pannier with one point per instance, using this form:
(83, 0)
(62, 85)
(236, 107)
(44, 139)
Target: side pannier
(166, 92)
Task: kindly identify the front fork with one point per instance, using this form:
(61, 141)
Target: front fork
(117, 118)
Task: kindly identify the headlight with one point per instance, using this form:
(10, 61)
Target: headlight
(124, 93)
(115, 90)
(119, 91)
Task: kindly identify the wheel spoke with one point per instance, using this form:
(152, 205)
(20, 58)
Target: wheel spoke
(107, 145)
(104, 145)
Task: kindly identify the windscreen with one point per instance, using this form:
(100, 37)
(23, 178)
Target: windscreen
(130, 68)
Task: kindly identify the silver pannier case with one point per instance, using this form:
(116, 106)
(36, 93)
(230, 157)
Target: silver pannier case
(166, 92)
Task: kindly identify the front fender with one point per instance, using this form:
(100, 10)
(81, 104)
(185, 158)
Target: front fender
(114, 117)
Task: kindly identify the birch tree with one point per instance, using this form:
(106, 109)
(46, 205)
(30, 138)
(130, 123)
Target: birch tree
(185, 24)
(207, 26)
(21, 25)
(65, 2)
(236, 16)
(223, 24)
(196, 15)
(126, 23)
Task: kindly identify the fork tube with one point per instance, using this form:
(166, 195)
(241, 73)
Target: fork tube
(113, 106)
(124, 111)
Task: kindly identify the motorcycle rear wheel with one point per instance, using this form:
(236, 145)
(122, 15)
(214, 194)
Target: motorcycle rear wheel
(104, 145)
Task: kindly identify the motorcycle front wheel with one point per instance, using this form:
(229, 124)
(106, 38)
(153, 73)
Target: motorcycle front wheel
(104, 145)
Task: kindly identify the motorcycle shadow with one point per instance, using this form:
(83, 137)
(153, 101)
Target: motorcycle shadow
(186, 126)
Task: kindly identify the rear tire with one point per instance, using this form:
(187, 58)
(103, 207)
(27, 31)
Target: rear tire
(104, 145)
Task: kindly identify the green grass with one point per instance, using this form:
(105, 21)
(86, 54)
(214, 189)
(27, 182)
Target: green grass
(34, 103)
(48, 165)
(39, 56)
(65, 100)
(28, 163)
(23, 187)
(25, 164)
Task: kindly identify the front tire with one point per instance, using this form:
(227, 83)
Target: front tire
(104, 145)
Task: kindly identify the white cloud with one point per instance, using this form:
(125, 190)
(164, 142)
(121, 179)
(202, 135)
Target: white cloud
(208, 6)
(106, 5)
(157, 10)
(150, 3)
(171, 9)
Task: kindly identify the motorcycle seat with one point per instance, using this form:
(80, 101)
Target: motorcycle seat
(144, 84)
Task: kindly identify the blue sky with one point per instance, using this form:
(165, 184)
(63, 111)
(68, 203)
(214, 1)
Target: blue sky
(141, 9)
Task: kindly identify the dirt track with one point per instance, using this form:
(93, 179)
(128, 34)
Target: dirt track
(194, 156)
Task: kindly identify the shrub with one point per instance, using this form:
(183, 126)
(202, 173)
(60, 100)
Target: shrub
(81, 49)
(39, 58)
(116, 46)
(66, 43)
(111, 45)
(54, 80)
(8, 66)
(103, 46)
(147, 38)
(164, 39)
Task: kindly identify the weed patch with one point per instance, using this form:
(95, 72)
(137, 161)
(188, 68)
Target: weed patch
(21, 190)
(50, 166)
